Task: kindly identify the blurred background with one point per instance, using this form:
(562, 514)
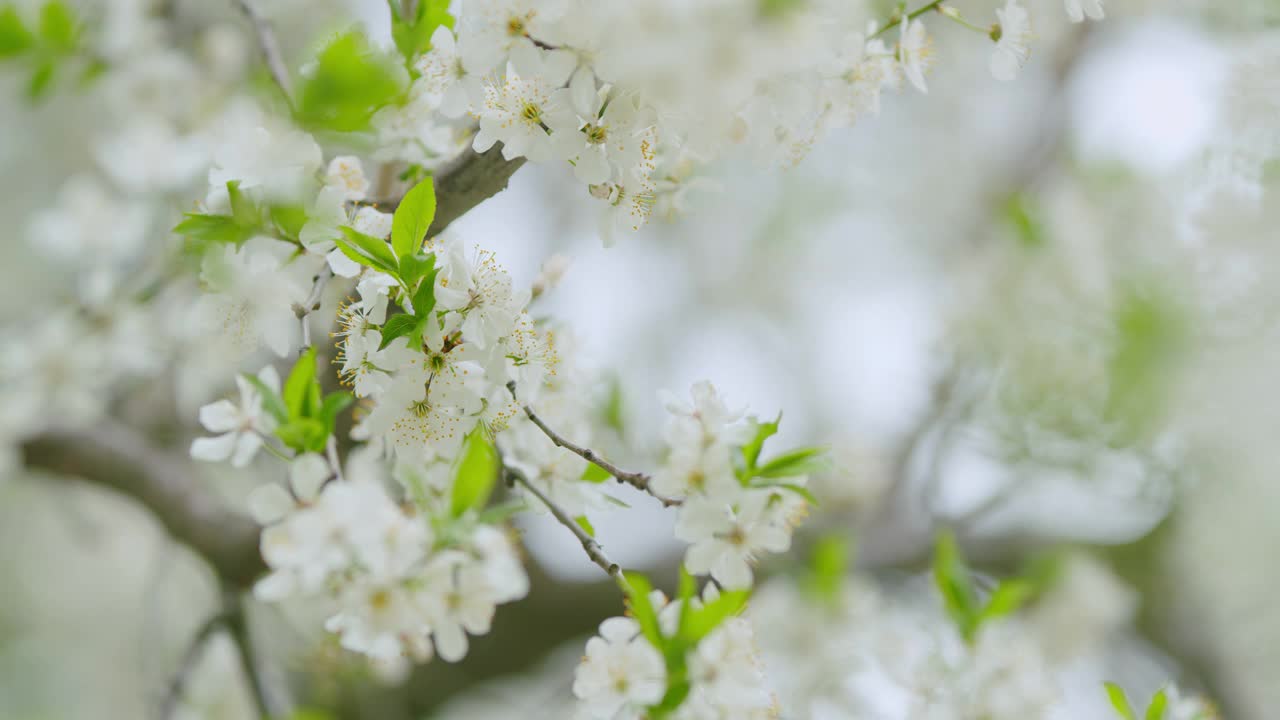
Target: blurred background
(1040, 313)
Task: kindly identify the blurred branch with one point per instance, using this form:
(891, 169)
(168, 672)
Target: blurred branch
(190, 659)
(238, 624)
(270, 49)
(114, 456)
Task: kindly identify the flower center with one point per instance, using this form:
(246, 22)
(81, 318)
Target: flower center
(596, 134)
(531, 112)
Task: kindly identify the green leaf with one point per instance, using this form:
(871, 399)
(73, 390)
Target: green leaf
(301, 390)
(350, 82)
(800, 490)
(1155, 711)
(1025, 223)
(1119, 701)
(828, 566)
(212, 229)
(15, 38)
(42, 78)
(355, 255)
(585, 524)
(304, 434)
(955, 584)
(801, 461)
(712, 614)
(615, 501)
(415, 267)
(475, 473)
(595, 474)
(424, 300)
(412, 35)
(333, 404)
(289, 219)
(243, 211)
(58, 27)
(413, 218)
(270, 399)
(371, 247)
(1008, 597)
(637, 588)
(763, 431)
(399, 326)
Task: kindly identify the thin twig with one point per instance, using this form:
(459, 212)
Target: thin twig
(638, 480)
(589, 544)
(270, 49)
(895, 22)
(312, 303)
(190, 659)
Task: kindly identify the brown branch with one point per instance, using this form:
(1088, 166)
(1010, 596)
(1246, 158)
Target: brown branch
(463, 183)
(114, 456)
(637, 480)
(593, 549)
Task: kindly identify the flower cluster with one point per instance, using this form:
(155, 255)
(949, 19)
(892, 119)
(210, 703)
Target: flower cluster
(406, 581)
(733, 506)
(630, 94)
(690, 658)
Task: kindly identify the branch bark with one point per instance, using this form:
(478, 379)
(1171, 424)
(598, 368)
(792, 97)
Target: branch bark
(463, 183)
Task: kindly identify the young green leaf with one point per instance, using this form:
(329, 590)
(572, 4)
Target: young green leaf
(955, 584)
(763, 431)
(270, 398)
(398, 326)
(289, 219)
(412, 35)
(585, 524)
(349, 82)
(304, 434)
(415, 267)
(801, 461)
(42, 78)
(637, 588)
(245, 213)
(828, 566)
(372, 247)
(424, 299)
(301, 390)
(475, 472)
(212, 229)
(413, 218)
(1008, 597)
(58, 28)
(800, 490)
(1155, 711)
(15, 38)
(595, 474)
(333, 404)
(1120, 702)
(714, 613)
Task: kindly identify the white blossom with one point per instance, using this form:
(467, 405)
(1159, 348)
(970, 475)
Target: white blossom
(242, 426)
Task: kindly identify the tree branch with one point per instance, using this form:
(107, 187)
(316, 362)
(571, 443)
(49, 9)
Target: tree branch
(463, 183)
(178, 686)
(589, 544)
(238, 625)
(638, 480)
(115, 456)
(270, 49)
